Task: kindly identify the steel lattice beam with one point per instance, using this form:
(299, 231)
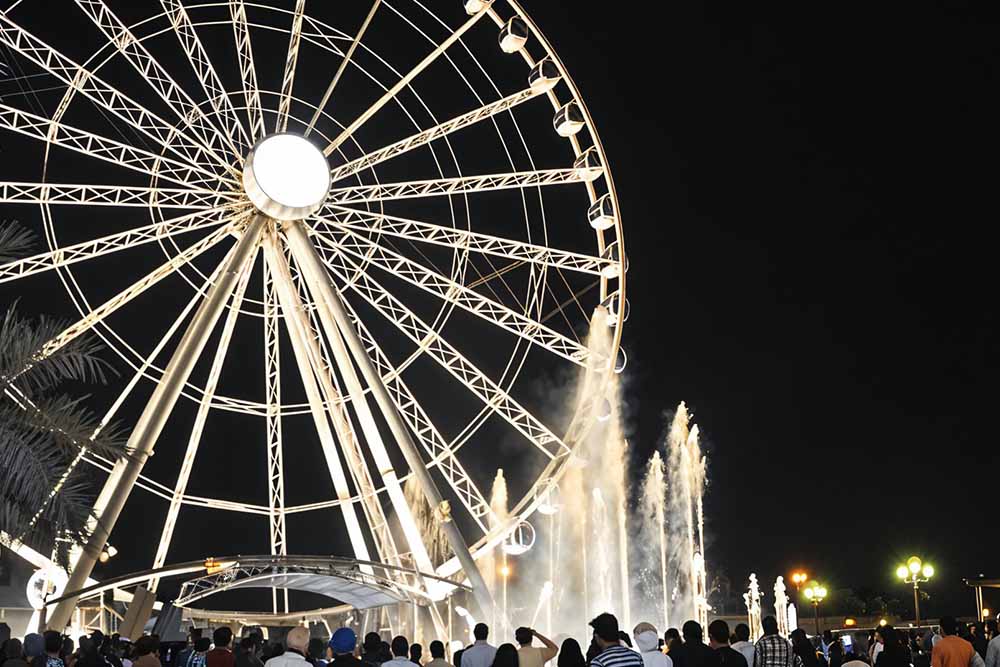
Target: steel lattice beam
(438, 187)
(23, 192)
(102, 148)
(439, 451)
(210, 82)
(436, 132)
(461, 239)
(244, 50)
(423, 335)
(204, 406)
(291, 60)
(110, 244)
(407, 79)
(452, 292)
(272, 429)
(114, 303)
(104, 95)
(119, 35)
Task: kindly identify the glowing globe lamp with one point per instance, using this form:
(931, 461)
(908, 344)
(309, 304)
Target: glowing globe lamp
(286, 177)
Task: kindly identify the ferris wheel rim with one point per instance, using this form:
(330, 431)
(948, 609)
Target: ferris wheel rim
(521, 508)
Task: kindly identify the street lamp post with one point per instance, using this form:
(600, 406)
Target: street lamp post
(799, 578)
(915, 572)
(815, 594)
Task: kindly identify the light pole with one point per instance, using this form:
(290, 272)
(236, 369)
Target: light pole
(799, 578)
(915, 572)
(815, 594)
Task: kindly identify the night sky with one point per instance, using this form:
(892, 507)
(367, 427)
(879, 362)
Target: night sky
(807, 194)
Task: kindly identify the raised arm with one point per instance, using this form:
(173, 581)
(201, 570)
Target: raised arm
(550, 649)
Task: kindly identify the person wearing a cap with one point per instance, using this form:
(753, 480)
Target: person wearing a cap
(342, 645)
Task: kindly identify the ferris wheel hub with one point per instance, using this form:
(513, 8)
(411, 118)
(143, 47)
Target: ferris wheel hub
(286, 176)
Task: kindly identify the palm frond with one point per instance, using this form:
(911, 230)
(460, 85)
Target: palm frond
(15, 240)
(21, 344)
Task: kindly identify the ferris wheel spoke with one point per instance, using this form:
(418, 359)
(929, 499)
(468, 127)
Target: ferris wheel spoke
(438, 450)
(424, 336)
(140, 371)
(406, 79)
(20, 192)
(313, 274)
(133, 238)
(308, 331)
(102, 148)
(436, 132)
(103, 94)
(135, 289)
(461, 239)
(452, 292)
(202, 64)
(438, 187)
(81, 455)
(204, 407)
(291, 61)
(244, 51)
(126, 43)
(342, 68)
(292, 311)
(273, 433)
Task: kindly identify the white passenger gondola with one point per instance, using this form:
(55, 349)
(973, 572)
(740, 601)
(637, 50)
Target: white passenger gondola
(602, 213)
(617, 307)
(514, 35)
(568, 120)
(544, 75)
(616, 264)
(474, 6)
(520, 540)
(588, 166)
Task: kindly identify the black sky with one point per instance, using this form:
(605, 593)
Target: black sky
(808, 194)
(807, 200)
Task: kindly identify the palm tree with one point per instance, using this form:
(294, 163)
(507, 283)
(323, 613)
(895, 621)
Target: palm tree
(44, 494)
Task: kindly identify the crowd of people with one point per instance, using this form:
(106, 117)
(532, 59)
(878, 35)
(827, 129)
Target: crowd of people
(955, 645)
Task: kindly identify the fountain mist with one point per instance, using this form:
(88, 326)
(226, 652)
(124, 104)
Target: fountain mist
(497, 559)
(686, 570)
(581, 568)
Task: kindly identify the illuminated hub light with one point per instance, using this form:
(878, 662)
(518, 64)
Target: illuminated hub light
(286, 177)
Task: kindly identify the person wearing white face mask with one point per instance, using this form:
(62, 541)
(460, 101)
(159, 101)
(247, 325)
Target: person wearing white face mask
(647, 640)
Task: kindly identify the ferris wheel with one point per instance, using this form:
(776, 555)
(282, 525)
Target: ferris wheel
(404, 207)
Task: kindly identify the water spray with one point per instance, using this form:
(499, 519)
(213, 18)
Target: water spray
(543, 597)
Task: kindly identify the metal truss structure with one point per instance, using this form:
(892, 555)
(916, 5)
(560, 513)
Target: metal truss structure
(389, 278)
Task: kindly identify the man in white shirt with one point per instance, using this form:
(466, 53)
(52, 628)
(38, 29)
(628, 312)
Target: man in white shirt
(481, 653)
(742, 643)
(533, 656)
(297, 641)
(400, 653)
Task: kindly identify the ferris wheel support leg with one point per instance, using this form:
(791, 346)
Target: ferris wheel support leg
(154, 416)
(319, 280)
